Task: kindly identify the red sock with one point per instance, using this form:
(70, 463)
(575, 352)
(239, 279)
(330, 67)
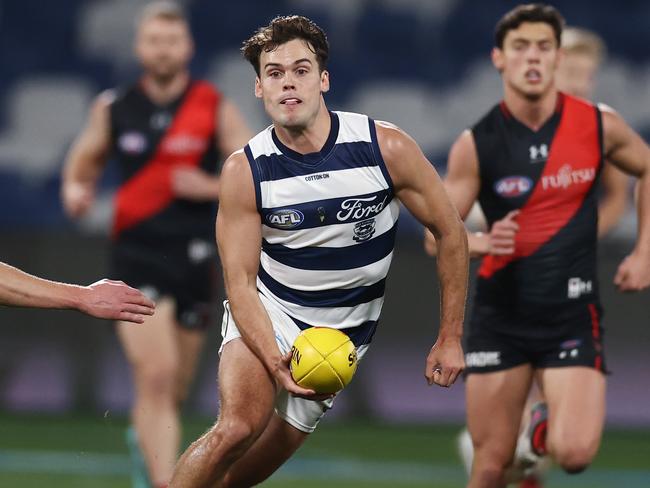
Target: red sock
(539, 438)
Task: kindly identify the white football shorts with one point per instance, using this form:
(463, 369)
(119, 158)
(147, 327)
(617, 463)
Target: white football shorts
(303, 414)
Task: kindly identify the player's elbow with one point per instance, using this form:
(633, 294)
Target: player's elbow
(453, 234)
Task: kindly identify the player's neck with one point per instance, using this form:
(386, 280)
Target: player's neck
(162, 91)
(532, 113)
(308, 139)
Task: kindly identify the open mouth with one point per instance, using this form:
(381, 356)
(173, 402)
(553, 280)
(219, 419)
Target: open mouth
(291, 101)
(533, 75)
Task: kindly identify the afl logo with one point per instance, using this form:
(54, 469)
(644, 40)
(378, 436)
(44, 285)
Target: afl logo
(132, 142)
(285, 219)
(513, 186)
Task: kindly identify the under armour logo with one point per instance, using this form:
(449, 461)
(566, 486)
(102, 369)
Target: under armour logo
(538, 153)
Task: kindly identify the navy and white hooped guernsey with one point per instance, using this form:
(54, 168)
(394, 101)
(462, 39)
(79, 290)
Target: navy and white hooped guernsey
(328, 226)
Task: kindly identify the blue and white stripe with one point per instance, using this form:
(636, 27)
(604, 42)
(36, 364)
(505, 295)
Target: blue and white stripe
(328, 226)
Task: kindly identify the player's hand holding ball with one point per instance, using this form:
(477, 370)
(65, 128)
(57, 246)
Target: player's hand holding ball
(323, 360)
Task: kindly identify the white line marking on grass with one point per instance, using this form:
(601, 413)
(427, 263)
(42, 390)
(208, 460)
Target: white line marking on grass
(301, 469)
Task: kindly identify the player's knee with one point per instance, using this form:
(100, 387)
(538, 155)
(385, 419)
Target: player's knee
(491, 475)
(574, 458)
(181, 390)
(488, 472)
(157, 378)
(235, 436)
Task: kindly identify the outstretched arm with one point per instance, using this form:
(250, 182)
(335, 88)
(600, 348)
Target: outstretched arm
(626, 149)
(104, 299)
(419, 188)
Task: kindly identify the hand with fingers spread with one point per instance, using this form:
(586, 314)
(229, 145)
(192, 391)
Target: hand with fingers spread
(108, 299)
(502, 235)
(633, 273)
(283, 376)
(445, 362)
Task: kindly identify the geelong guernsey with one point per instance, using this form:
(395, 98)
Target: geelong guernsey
(328, 226)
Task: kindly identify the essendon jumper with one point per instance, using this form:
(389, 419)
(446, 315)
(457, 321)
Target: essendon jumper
(149, 141)
(550, 176)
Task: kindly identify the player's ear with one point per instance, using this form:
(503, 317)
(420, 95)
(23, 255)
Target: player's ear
(258, 87)
(497, 58)
(325, 81)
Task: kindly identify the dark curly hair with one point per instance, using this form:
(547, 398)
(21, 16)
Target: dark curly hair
(281, 30)
(532, 12)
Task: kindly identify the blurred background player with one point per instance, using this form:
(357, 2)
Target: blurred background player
(104, 299)
(338, 175)
(583, 52)
(540, 251)
(167, 133)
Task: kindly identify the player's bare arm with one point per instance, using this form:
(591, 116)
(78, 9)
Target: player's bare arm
(86, 159)
(232, 134)
(239, 238)
(462, 183)
(419, 188)
(627, 150)
(104, 299)
(613, 202)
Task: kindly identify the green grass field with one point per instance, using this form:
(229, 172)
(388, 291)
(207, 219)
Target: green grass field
(75, 452)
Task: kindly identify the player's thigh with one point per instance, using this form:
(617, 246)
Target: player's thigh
(576, 406)
(495, 402)
(151, 347)
(246, 389)
(276, 445)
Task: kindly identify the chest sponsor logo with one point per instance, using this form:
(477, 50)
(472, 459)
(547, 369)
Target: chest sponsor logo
(132, 142)
(538, 154)
(567, 176)
(183, 144)
(513, 186)
(364, 230)
(360, 208)
(482, 359)
(285, 218)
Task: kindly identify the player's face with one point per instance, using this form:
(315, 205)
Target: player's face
(528, 59)
(290, 84)
(576, 74)
(163, 46)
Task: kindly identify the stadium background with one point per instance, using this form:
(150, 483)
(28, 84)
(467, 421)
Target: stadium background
(423, 64)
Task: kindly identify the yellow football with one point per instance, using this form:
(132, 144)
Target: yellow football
(323, 359)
